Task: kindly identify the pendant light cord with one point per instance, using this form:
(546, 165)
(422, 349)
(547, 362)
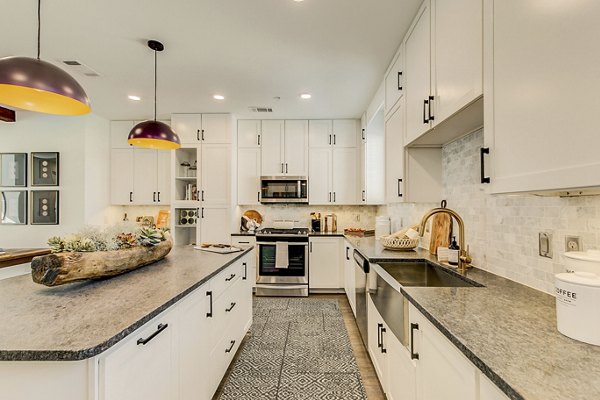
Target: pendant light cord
(155, 84)
(39, 27)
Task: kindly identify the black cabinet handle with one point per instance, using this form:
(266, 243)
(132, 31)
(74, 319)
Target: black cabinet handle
(330, 197)
(258, 196)
(334, 197)
(431, 117)
(230, 308)
(244, 243)
(363, 134)
(154, 197)
(484, 151)
(334, 139)
(364, 193)
(131, 197)
(329, 139)
(286, 168)
(245, 277)
(230, 347)
(230, 278)
(158, 197)
(399, 78)
(383, 349)
(198, 134)
(311, 247)
(202, 134)
(399, 189)
(202, 195)
(258, 139)
(159, 329)
(210, 313)
(202, 212)
(282, 168)
(347, 255)
(425, 103)
(413, 355)
(379, 327)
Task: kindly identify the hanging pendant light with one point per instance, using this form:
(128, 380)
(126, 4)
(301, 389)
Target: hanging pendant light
(36, 85)
(154, 134)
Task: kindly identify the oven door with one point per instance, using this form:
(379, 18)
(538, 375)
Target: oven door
(297, 270)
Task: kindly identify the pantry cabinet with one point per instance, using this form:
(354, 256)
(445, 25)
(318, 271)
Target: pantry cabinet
(216, 174)
(248, 176)
(202, 128)
(325, 263)
(284, 148)
(248, 133)
(394, 81)
(541, 95)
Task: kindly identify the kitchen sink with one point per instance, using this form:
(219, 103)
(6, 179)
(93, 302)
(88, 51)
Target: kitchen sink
(422, 274)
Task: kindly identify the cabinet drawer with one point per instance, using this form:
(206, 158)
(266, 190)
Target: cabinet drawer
(221, 357)
(225, 279)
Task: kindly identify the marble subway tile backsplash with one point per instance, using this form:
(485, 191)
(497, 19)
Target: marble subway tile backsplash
(502, 230)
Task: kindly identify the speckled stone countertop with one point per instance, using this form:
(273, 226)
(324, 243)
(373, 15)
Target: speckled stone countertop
(80, 320)
(506, 329)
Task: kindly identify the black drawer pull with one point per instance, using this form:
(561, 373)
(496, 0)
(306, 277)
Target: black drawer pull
(210, 313)
(245, 277)
(383, 349)
(399, 78)
(379, 341)
(347, 255)
(230, 347)
(159, 329)
(230, 308)
(399, 189)
(244, 242)
(483, 152)
(230, 277)
(413, 355)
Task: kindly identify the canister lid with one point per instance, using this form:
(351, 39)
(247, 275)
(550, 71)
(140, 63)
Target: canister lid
(589, 255)
(580, 278)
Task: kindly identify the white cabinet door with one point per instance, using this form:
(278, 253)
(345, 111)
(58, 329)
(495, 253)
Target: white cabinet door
(320, 133)
(349, 275)
(248, 176)
(163, 184)
(119, 131)
(545, 94)
(374, 342)
(188, 127)
(346, 132)
(345, 176)
(319, 176)
(121, 176)
(458, 48)
(324, 265)
(216, 128)
(272, 148)
(248, 133)
(133, 371)
(216, 174)
(418, 74)
(394, 82)
(373, 155)
(489, 391)
(296, 147)
(402, 371)
(215, 224)
(394, 156)
(144, 176)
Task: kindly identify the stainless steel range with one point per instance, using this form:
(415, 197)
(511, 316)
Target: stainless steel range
(282, 262)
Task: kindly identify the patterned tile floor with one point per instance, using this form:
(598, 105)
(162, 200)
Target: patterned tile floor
(300, 348)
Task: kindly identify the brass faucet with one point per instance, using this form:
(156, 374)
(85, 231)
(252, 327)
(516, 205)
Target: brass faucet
(464, 259)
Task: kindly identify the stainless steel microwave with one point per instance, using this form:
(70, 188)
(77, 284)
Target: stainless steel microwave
(284, 189)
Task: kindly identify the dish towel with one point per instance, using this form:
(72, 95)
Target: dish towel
(281, 255)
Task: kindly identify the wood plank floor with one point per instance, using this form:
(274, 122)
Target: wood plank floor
(367, 372)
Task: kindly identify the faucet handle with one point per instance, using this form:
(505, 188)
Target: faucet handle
(466, 257)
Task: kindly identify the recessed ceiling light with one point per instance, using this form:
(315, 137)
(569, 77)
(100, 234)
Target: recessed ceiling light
(219, 97)
(305, 96)
(134, 98)
(298, 1)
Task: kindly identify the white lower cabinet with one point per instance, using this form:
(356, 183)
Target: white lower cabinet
(349, 276)
(489, 391)
(252, 260)
(325, 263)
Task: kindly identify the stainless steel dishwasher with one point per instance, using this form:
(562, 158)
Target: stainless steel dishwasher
(361, 273)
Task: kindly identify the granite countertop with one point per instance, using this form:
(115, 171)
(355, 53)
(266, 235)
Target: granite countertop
(506, 329)
(80, 320)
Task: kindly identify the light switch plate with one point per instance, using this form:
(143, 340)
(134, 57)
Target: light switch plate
(545, 244)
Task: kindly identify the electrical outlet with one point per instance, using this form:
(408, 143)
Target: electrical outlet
(572, 243)
(545, 244)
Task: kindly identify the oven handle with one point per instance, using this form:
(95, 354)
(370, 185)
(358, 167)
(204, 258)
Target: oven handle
(280, 286)
(289, 243)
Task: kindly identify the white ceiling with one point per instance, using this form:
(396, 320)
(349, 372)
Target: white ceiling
(248, 50)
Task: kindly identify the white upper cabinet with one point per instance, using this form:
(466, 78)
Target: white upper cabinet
(216, 174)
(346, 132)
(249, 133)
(272, 148)
(145, 180)
(394, 81)
(215, 224)
(345, 176)
(319, 180)
(542, 95)
(119, 131)
(394, 156)
(163, 182)
(418, 74)
(202, 128)
(121, 176)
(248, 176)
(320, 133)
(296, 147)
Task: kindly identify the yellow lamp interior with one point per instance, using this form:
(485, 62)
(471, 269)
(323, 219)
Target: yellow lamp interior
(41, 101)
(156, 144)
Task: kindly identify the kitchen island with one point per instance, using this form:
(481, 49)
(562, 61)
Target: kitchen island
(507, 330)
(176, 308)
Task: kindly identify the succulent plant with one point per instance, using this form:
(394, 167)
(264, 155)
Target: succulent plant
(56, 244)
(126, 240)
(150, 236)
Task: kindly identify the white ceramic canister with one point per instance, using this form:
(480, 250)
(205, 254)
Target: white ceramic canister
(577, 303)
(382, 226)
(583, 261)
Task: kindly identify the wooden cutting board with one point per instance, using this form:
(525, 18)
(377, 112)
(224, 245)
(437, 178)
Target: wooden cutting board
(441, 232)
(255, 215)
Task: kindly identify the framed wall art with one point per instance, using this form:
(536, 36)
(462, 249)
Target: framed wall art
(13, 169)
(44, 169)
(13, 207)
(44, 207)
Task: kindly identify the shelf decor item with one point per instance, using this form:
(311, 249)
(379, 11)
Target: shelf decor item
(95, 254)
(154, 134)
(44, 169)
(13, 169)
(13, 207)
(36, 85)
(44, 207)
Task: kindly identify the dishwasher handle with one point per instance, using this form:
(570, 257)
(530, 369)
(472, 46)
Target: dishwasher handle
(362, 262)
